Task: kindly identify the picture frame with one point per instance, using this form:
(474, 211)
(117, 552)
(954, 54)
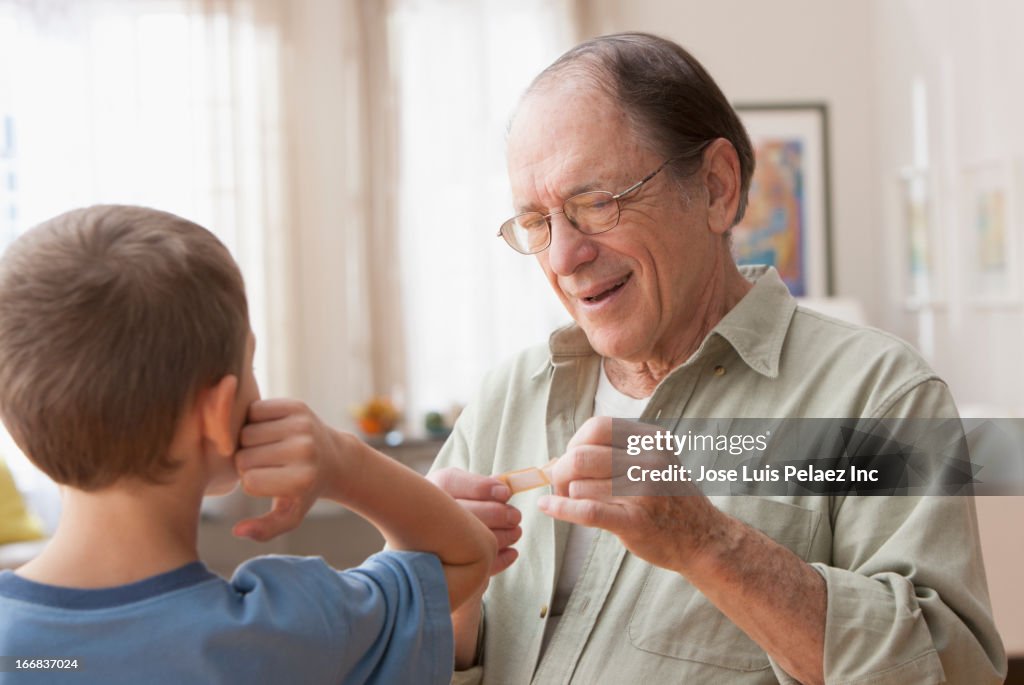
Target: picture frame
(787, 223)
(922, 259)
(990, 227)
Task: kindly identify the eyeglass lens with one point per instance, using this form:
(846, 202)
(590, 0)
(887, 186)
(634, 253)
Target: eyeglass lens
(592, 212)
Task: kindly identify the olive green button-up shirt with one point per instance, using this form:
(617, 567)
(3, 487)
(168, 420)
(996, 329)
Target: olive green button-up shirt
(907, 599)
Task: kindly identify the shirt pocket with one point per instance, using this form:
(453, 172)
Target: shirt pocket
(671, 618)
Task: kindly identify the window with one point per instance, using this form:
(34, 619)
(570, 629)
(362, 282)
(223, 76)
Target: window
(468, 300)
(151, 102)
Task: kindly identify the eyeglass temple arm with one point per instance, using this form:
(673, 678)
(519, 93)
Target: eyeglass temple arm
(643, 180)
(648, 177)
(636, 185)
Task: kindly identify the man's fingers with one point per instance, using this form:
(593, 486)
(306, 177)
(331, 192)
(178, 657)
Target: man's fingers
(463, 485)
(587, 461)
(603, 430)
(581, 461)
(504, 559)
(584, 512)
(591, 488)
(284, 515)
(600, 461)
(493, 514)
(507, 536)
(596, 430)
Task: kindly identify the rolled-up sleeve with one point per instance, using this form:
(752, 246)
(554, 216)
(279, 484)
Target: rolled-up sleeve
(907, 595)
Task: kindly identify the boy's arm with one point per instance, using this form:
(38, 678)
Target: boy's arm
(486, 498)
(289, 454)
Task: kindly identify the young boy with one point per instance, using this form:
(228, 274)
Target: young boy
(126, 375)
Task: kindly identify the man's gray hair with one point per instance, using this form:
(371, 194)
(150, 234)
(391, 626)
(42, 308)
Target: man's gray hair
(671, 101)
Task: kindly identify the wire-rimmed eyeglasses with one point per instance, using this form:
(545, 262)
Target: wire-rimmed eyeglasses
(592, 212)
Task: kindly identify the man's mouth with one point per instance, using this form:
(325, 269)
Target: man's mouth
(608, 292)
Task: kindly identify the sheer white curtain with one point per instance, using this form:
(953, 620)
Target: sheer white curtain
(468, 299)
(171, 104)
(270, 122)
(340, 320)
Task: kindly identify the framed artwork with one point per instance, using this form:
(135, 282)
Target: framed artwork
(922, 281)
(787, 222)
(990, 216)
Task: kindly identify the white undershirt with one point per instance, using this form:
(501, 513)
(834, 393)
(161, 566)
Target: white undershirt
(608, 401)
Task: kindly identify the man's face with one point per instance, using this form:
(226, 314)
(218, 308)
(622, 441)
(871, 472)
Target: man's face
(632, 288)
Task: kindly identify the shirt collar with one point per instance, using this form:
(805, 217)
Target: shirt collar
(755, 327)
(758, 323)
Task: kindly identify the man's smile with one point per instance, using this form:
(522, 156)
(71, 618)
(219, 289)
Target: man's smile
(602, 291)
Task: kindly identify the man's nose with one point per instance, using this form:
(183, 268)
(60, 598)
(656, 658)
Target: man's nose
(569, 247)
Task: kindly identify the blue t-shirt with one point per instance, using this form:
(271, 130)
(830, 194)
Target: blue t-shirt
(280, 620)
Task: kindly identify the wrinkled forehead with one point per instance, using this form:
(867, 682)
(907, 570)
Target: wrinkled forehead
(568, 136)
(564, 115)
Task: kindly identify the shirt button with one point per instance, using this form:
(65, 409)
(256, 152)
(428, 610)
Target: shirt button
(544, 611)
(719, 370)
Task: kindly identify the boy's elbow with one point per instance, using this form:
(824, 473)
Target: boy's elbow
(469, 580)
(488, 545)
(487, 551)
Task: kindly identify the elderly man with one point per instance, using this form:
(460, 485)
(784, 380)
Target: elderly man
(628, 168)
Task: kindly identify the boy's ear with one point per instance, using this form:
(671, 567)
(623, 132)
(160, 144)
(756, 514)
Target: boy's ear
(216, 409)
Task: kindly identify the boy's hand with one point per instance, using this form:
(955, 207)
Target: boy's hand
(286, 453)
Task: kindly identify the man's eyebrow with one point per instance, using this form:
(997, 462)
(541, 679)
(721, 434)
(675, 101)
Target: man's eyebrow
(573, 191)
(585, 188)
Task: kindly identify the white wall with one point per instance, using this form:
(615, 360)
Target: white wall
(971, 61)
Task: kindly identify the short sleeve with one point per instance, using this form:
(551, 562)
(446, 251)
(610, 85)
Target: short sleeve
(388, 618)
(396, 612)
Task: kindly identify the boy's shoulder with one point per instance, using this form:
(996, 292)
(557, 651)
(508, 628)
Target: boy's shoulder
(270, 575)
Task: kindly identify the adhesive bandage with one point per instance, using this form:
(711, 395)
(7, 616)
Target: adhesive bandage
(527, 479)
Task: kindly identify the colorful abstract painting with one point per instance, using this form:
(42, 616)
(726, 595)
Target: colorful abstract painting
(920, 243)
(993, 272)
(786, 221)
(773, 230)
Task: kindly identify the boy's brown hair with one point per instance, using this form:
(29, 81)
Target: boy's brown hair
(111, 318)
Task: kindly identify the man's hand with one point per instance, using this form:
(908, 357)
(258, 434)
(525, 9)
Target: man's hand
(765, 589)
(665, 524)
(486, 498)
(286, 454)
